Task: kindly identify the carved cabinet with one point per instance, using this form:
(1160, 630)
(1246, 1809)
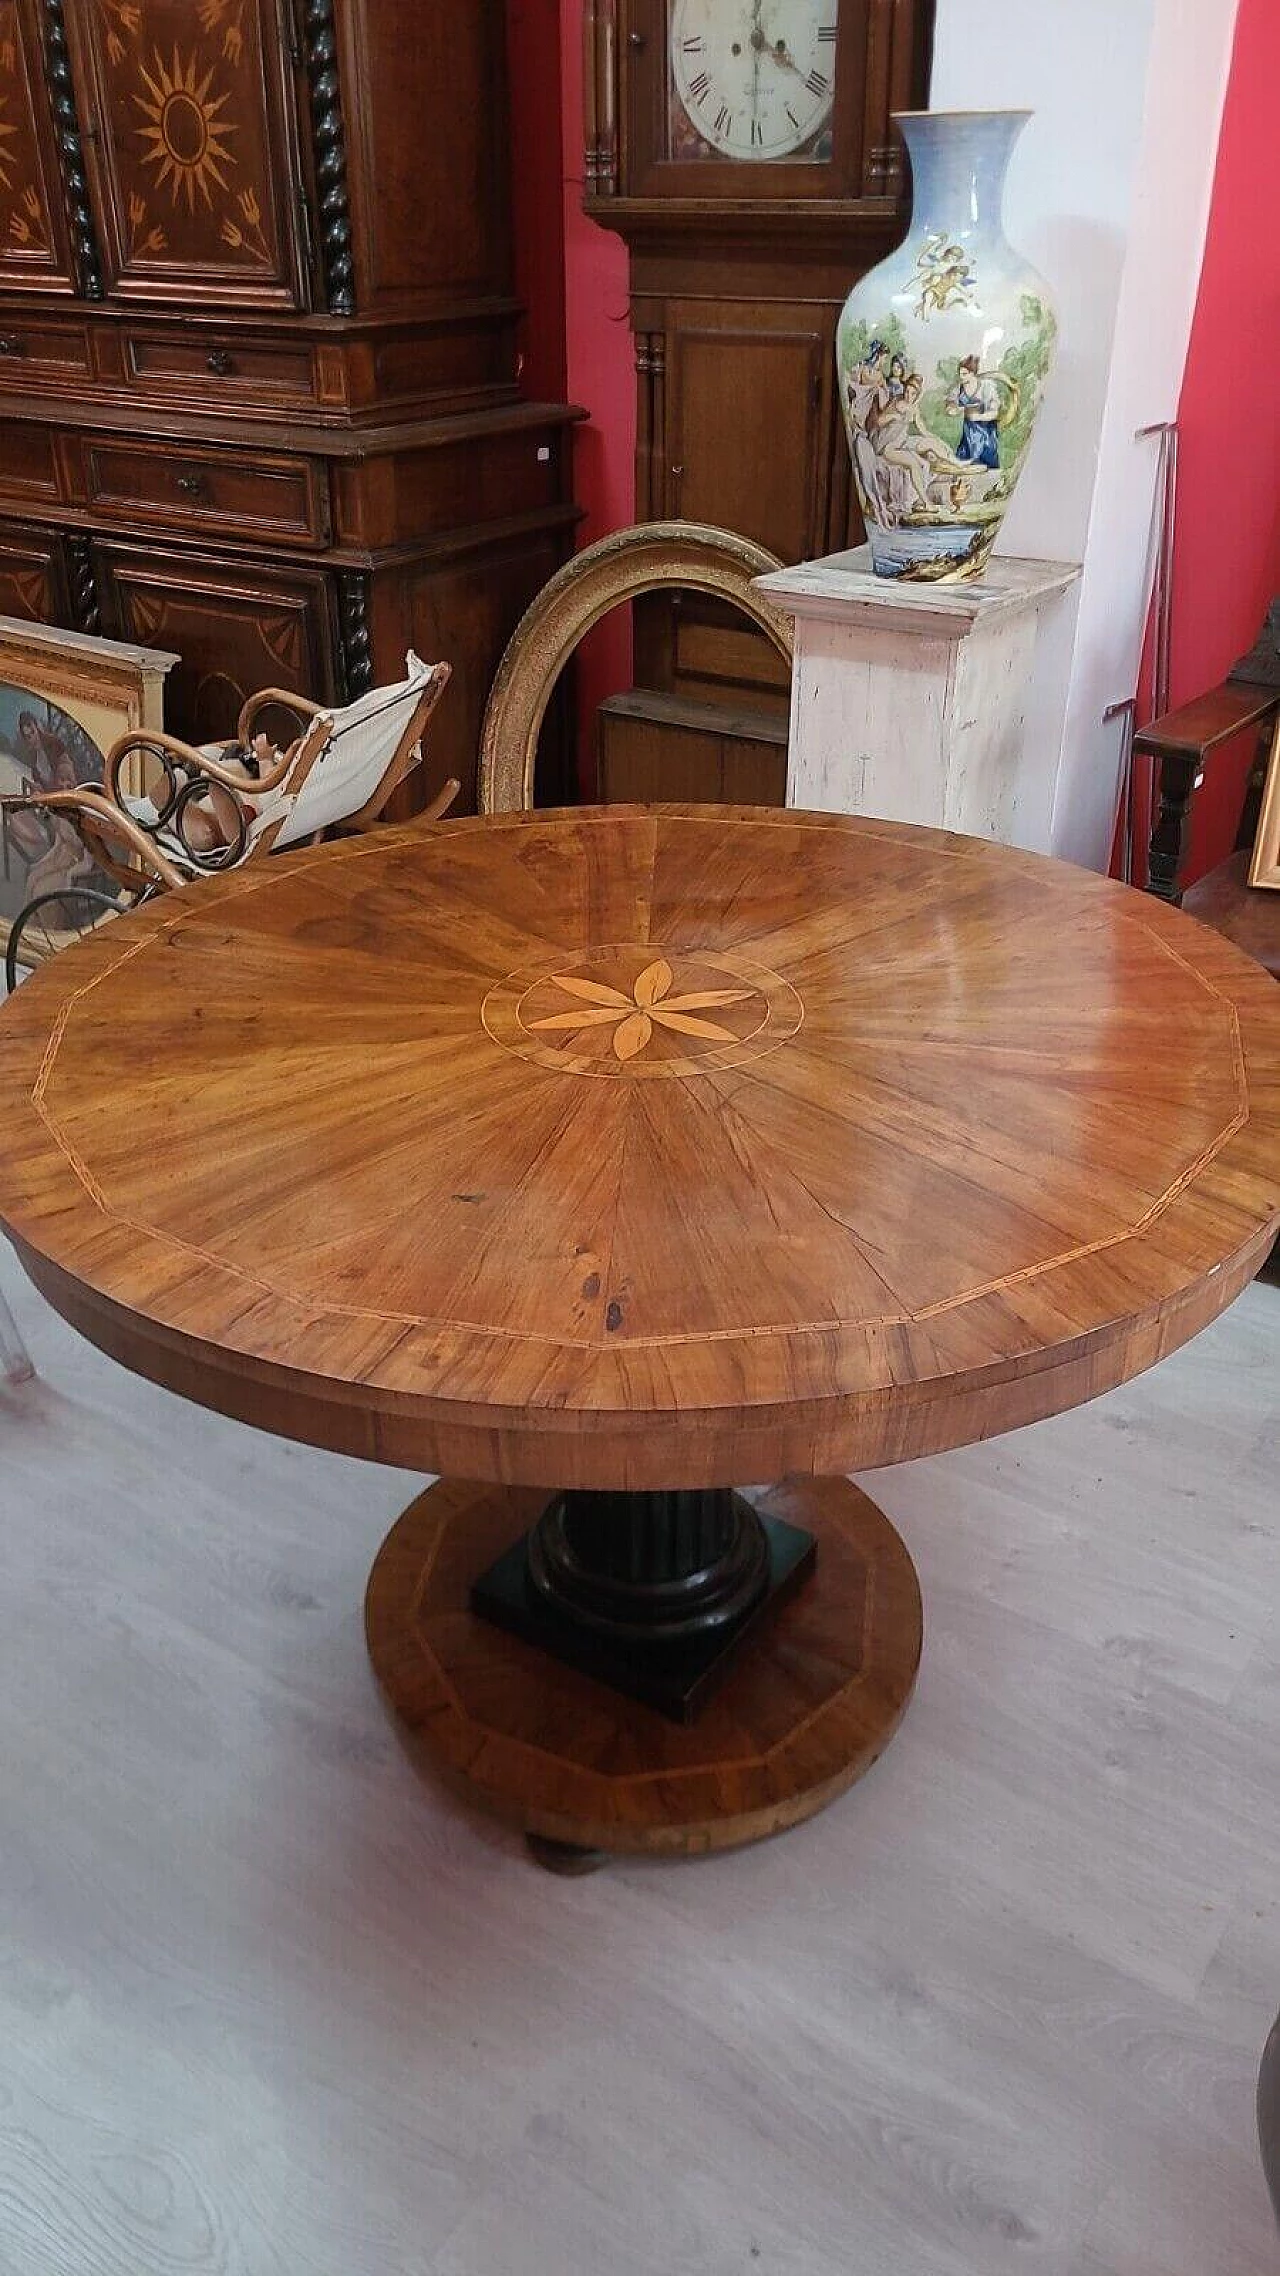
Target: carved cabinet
(258, 394)
(749, 161)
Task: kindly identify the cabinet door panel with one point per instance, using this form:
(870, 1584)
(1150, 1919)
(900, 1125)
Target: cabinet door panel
(190, 135)
(33, 575)
(235, 626)
(748, 403)
(34, 251)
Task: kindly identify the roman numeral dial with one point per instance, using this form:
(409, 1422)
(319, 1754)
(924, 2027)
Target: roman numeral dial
(754, 78)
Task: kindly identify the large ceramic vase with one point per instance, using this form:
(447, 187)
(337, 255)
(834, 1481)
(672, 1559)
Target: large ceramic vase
(942, 354)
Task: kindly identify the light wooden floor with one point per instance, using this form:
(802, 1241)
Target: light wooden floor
(270, 2007)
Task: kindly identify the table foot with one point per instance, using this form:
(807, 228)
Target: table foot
(564, 1857)
(807, 1704)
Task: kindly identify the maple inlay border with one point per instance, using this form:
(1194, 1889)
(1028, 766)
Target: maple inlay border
(502, 1017)
(903, 1105)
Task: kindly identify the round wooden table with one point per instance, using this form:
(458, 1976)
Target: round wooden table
(618, 1159)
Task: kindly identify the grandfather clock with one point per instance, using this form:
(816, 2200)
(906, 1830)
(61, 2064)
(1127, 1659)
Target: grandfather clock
(743, 149)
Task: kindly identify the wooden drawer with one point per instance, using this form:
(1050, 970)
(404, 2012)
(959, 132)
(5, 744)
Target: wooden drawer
(28, 463)
(41, 354)
(226, 492)
(218, 371)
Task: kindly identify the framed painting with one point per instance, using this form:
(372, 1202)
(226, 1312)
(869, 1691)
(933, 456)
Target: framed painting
(65, 698)
(1264, 868)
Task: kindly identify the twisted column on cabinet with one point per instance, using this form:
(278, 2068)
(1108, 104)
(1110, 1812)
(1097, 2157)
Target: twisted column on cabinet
(357, 643)
(329, 136)
(86, 615)
(75, 182)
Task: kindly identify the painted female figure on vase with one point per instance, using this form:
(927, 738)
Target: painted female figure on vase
(975, 400)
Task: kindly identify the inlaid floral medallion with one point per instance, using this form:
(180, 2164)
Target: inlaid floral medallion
(628, 1011)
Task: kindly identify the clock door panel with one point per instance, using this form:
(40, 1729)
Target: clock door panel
(34, 251)
(702, 115)
(236, 627)
(760, 470)
(192, 148)
(747, 92)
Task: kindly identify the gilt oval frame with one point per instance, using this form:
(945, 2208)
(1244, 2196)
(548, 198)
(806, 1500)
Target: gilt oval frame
(650, 557)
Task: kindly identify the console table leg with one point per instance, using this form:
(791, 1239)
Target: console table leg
(1177, 780)
(16, 1364)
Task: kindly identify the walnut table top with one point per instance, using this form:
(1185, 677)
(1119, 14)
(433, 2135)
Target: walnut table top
(639, 1147)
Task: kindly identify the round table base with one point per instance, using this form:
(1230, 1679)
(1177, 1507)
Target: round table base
(811, 1702)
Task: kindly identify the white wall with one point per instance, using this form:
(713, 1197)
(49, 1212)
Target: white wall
(1108, 195)
(1186, 86)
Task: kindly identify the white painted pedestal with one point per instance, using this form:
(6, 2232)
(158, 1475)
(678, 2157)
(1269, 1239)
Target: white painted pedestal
(908, 701)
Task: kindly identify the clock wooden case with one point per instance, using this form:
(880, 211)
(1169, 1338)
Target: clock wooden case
(258, 367)
(740, 262)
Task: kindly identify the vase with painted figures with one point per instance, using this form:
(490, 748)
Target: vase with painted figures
(942, 353)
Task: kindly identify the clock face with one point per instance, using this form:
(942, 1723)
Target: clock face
(755, 78)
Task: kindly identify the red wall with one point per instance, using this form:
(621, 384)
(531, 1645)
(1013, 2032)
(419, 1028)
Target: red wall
(572, 277)
(1227, 556)
(601, 378)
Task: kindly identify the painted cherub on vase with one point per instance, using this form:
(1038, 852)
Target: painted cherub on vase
(943, 275)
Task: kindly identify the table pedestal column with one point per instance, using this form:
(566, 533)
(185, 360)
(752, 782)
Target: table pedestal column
(652, 1593)
(646, 1673)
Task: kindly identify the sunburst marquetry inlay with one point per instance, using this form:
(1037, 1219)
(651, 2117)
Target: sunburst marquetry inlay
(626, 1011)
(650, 1009)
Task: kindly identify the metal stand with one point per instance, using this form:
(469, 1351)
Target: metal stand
(15, 1360)
(650, 1593)
(1164, 520)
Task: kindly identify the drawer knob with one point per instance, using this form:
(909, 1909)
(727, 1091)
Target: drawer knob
(10, 344)
(192, 485)
(222, 361)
